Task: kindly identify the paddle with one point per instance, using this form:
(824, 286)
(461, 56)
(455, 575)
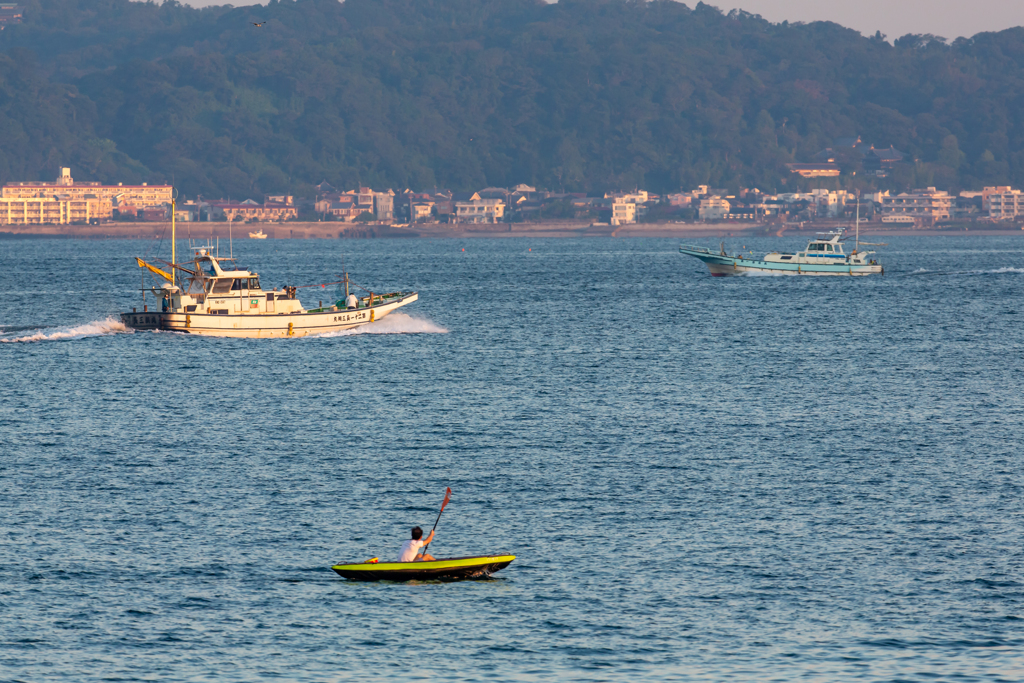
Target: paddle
(447, 497)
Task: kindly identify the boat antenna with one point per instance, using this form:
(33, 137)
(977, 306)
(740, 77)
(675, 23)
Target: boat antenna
(231, 244)
(174, 260)
(856, 242)
(345, 270)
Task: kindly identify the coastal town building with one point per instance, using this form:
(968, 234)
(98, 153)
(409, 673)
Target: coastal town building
(477, 209)
(347, 206)
(926, 206)
(815, 170)
(384, 205)
(881, 161)
(627, 207)
(679, 199)
(10, 13)
(252, 211)
(60, 211)
(636, 197)
(714, 208)
(852, 154)
(110, 196)
(622, 212)
(1004, 203)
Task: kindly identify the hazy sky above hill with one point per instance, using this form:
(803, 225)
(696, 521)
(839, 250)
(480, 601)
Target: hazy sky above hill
(948, 18)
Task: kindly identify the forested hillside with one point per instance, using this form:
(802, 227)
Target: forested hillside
(584, 95)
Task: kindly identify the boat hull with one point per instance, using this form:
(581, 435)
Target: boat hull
(723, 266)
(449, 569)
(263, 325)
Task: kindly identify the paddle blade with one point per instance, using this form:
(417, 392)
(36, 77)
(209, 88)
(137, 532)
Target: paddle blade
(447, 497)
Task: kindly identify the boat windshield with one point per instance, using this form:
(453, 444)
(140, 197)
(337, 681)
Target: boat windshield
(233, 284)
(221, 286)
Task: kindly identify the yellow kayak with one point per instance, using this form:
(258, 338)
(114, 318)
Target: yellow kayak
(447, 569)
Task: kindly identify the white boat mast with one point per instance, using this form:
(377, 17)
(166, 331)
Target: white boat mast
(856, 242)
(174, 243)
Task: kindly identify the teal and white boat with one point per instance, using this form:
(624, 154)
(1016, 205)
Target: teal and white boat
(823, 256)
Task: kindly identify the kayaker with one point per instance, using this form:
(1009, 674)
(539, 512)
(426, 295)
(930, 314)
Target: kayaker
(411, 547)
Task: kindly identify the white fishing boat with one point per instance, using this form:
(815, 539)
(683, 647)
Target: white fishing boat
(212, 296)
(258, 235)
(824, 255)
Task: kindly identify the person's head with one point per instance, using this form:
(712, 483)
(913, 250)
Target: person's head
(417, 533)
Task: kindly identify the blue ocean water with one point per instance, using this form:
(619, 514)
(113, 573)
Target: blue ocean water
(760, 478)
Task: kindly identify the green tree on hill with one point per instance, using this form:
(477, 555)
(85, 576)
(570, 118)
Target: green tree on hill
(580, 95)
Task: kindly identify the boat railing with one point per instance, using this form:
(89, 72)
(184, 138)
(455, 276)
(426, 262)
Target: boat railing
(701, 250)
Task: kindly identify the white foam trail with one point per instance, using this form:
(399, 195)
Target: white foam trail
(994, 271)
(395, 323)
(97, 328)
(1007, 269)
(763, 273)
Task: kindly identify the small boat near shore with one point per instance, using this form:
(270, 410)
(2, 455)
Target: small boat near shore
(823, 255)
(448, 569)
(258, 235)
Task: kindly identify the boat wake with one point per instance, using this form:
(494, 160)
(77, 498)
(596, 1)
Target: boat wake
(993, 271)
(395, 323)
(1007, 269)
(97, 328)
(763, 273)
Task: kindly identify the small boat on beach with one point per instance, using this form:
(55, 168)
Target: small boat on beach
(448, 569)
(258, 235)
(823, 256)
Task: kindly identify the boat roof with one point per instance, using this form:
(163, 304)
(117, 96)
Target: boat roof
(203, 255)
(832, 236)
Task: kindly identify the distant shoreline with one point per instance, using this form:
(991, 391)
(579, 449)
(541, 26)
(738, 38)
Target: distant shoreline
(337, 230)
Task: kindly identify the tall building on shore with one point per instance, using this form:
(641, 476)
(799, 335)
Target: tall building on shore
(65, 201)
(927, 206)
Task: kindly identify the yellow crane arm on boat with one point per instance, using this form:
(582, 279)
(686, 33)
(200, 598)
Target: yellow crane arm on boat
(153, 269)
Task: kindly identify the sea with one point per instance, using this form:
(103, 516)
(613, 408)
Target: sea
(702, 479)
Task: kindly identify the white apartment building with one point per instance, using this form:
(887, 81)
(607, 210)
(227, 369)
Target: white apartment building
(829, 203)
(384, 205)
(637, 197)
(1005, 204)
(480, 211)
(59, 210)
(109, 196)
(422, 210)
(714, 209)
(623, 212)
(927, 206)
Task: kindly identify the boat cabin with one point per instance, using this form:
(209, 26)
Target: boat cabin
(218, 287)
(826, 249)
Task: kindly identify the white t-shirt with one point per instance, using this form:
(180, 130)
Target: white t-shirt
(409, 549)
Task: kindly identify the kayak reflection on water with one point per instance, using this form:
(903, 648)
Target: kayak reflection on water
(411, 548)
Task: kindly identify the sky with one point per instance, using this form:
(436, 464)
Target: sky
(947, 18)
